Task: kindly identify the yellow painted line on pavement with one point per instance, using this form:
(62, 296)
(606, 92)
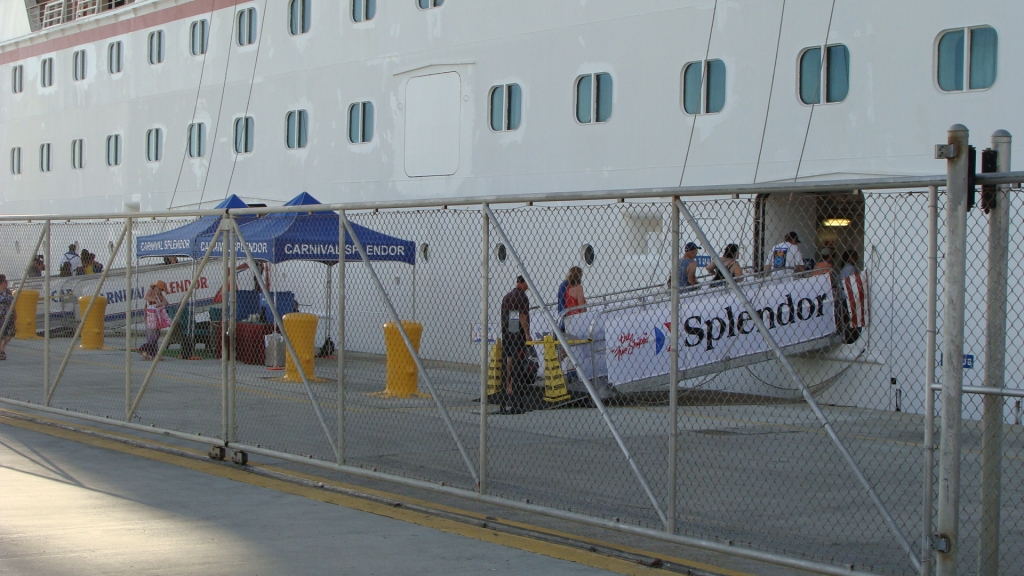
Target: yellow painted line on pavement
(526, 544)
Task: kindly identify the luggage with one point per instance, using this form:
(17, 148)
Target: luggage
(276, 350)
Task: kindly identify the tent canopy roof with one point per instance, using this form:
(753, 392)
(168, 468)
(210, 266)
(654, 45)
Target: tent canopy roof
(181, 241)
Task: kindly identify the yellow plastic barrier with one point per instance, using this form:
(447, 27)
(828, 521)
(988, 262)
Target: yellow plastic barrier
(25, 306)
(402, 375)
(92, 327)
(555, 390)
(494, 369)
(301, 330)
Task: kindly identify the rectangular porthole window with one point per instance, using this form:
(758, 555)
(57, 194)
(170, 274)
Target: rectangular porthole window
(196, 140)
(114, 150)
(78, 154)
(704, 87)
(834, 76)
(363, 10)
(46, 73)
(154, 145)
(245, 135)
(296, 129)
(78, 71)
(425, 4)
(506, 107)
(44, 158)
(16, 160)
(156, 47)
(115, 57)
(199, 33)
(246, 26)
(594, 98)
(17, 78)
(299, 16)
(967, 57)
(360, 122)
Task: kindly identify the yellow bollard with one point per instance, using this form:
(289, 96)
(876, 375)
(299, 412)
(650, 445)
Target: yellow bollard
(25, 306)
(402, 375)
(301, 330)
(92, 327)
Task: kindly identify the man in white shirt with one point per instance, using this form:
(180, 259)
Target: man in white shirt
(786, 256)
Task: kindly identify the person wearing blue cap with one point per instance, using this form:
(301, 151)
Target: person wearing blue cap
(688, 267)
(786, 256)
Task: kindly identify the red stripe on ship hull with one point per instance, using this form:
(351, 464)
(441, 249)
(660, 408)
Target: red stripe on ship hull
(132, 24)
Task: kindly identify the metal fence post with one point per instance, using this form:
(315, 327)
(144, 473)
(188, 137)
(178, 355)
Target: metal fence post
(485, 364)
(341, 343)
(948, 525)
(233, 330)
(226, 288)
(47, 299)
(995, 366)
(128, 320)
(673, 373)
(927, 558)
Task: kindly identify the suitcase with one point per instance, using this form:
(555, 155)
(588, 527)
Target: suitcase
(276, 350)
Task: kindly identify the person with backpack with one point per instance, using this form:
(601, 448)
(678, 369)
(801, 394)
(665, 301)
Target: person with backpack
(71, 262)
(729, 259)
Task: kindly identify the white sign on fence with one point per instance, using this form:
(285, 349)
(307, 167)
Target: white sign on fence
(715, 326)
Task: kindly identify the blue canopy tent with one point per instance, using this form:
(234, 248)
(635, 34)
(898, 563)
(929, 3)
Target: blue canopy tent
(181, 241)
(313, 236)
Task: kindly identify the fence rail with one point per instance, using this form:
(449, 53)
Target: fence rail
(744, 374)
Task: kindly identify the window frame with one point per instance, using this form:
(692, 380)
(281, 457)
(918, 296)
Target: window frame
(296, 129)
(17, 79)
(300, 18)
(965, 79)
(430, 4)
(114, 139)
(367, 11)
(154, 144)
(78, 154)
(156, 56)
(249, 15)
(203, 26)
(705, 86)
(46, 72)
(244, 135)
(195, 145)
(79, 66)
(363, 106)
(45, 157)
(595, 95)
(115, 48)
(506, 103)
(16, 160)
(824, 72)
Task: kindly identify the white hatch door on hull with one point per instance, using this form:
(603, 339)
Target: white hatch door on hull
(433, 124)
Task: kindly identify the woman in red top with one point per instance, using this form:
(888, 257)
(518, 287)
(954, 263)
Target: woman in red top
(574, 292)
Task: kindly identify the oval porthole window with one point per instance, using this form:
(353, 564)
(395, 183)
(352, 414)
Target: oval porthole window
(425, 252)
(588, 254)
(501, 253)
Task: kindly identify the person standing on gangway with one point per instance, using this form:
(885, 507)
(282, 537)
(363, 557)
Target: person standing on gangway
(786, 256)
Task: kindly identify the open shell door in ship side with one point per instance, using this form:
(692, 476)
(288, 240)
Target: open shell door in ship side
(433, 124)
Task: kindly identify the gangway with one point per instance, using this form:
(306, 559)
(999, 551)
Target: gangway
(625, 336)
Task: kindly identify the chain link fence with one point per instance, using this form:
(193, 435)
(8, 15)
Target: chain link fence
(543, 371)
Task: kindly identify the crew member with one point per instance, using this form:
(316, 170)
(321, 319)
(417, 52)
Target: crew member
(515, 330)
(786, 256)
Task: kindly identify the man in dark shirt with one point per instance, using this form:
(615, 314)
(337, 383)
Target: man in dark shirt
(515, 331)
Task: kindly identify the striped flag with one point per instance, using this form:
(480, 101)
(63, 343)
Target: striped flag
(857, 299)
